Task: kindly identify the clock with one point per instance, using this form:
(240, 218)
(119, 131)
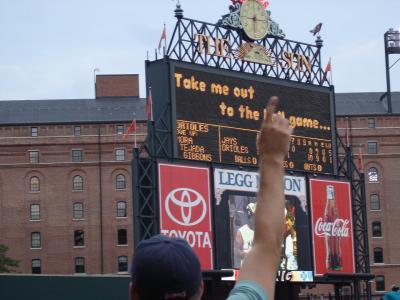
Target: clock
(254, 19)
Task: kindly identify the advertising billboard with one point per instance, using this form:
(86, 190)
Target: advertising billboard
(235, 205)
(218, 115)
(332, 226)
(185, 209)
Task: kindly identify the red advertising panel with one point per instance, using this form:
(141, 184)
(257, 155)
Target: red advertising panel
(332, 226)
(185, 208)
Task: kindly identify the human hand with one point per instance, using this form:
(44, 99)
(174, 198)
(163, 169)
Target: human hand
(273, 140)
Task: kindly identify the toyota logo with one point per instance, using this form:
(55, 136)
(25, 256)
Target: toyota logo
(184, 201)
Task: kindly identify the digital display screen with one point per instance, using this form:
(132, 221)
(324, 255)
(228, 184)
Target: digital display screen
(218, 118)
(235, 193)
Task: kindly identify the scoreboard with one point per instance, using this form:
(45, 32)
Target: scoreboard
(218, 115)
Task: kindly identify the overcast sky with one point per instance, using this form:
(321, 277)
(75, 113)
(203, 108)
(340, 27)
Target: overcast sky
(49, 48)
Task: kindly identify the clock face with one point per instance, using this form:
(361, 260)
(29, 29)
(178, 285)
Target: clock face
(254, 19)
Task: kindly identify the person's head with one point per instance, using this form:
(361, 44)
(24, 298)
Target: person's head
(165, 268)
(251, 211)
(395, 288)
(289, 221)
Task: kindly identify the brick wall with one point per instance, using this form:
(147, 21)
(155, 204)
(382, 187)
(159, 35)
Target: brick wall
(56, 197)
(117, 85)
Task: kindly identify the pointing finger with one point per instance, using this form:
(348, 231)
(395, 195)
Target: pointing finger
(271, 108)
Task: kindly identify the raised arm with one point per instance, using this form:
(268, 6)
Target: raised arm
(261, 263)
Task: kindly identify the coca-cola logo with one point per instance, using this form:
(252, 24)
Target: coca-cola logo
(339, 228)
(185, 206)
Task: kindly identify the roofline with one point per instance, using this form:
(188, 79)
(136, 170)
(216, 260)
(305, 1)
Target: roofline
(75, 99)
(69, 123)
(127, 74)
(371, 115)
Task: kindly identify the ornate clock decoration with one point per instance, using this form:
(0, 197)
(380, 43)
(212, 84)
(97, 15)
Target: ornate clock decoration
(255, 53)
(254, 20)
(251, 17)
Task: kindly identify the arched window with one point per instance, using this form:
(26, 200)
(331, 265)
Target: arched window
(122, 264)
(79, 238)
(376, 229)
(36, 266)
(78, 211)
(77, 183)
(122, 237)
(373, 175)
(34, 184)
(378, 255)
(120, 182)
(121, 209)
(36, 240)
(35, 212)
(375, 203)
(79, 265)
(380, 283)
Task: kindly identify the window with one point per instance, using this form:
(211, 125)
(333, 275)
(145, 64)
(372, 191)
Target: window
(34, 156)
(121, 209)
(122, 238)
(79, 265)
(35, 240)
(77, 130)
(35, 212)
(120, 129)
(120, 154)
(376, 229)
(372, 147)
(77, 183)
(36, 266)
(34, 184)
(34, 131)
(373, 175)
(77, 155)
(79, 240)
(122, 264)
(378, 255)
(120, 182)
(78, 210)
(375, 202)
(371, 122)
(380, 283)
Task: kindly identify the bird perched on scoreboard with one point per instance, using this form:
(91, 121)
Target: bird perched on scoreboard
(316, 29)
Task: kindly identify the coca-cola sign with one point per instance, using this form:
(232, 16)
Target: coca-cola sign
(332, 226)
(339, 228)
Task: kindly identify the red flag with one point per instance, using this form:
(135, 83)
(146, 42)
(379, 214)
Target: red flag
(163, 37)
(264, 3)
(328, 68)
(131, 128)
(316, 29)
(149, 107)
(360, 161)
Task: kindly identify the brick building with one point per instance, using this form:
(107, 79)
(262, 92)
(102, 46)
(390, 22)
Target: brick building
(65, 179)
(376, 135)
(65, 183)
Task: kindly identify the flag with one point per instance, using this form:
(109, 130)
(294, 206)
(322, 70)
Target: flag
(149, 106)
(163, 37)
(360, 163)
(131, 128)
(328, 68)
(316, 29)
(264, 3)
